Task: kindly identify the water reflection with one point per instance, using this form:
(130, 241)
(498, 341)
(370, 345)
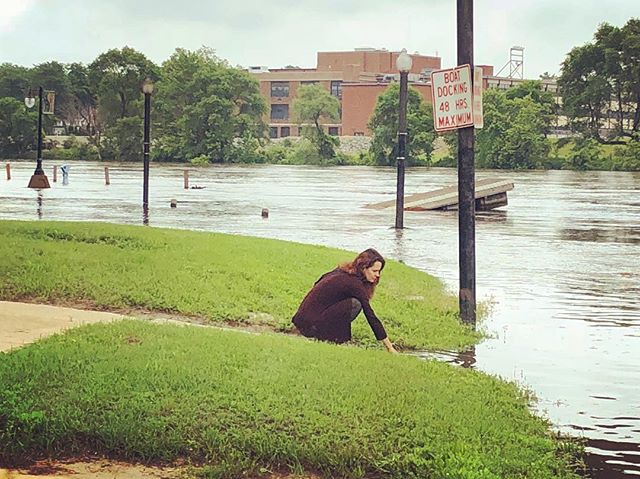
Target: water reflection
(398, 245)
(39, 203)
(465, 359)
(601, 235)
(492, 216)
(612, 459)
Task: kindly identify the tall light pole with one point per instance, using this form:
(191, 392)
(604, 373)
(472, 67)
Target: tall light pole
(403, 63)
(38, 180)
(147, 89)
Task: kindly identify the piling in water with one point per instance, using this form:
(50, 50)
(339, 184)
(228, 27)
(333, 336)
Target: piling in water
(8, 171)
(186, 179)
(107, 181)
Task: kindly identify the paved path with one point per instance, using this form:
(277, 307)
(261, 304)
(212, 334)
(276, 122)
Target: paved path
(23, 323)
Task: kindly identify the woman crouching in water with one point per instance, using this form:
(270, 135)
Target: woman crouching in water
(337, 298)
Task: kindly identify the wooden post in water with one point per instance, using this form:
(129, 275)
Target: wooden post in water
(186, 179)
(466, 179)
(8, 171)
(106, 176)
(55, 173)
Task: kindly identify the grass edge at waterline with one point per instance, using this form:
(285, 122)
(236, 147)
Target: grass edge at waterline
(245, 403)
(218, 277)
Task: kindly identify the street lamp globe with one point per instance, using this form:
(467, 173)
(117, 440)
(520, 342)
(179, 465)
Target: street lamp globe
(147, 86)
(29, 101)
(404, 62)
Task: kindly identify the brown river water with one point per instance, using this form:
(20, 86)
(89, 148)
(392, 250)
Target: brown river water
(560, 264)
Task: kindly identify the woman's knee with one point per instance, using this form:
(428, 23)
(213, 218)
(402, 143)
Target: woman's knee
(356, 307)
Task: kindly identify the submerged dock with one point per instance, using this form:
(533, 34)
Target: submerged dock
(490, 193)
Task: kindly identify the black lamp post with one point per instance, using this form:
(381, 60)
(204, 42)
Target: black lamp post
(403, 63)
(38, 180)
(147, 89)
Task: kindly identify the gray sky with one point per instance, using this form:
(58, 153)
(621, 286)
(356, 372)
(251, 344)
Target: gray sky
(276, 33)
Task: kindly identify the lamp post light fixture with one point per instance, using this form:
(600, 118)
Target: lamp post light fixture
(147, 89)
(38, 180)
(403, 63)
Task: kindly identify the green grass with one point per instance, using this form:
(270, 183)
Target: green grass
(241, 404)
(563, 148)
(221, 278)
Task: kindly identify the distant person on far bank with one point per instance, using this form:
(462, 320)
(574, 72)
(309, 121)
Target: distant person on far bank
(336, 299)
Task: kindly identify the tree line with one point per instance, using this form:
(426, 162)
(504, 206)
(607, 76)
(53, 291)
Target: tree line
(205, 110)
(202, 106)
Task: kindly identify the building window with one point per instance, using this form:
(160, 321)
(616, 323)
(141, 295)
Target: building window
(273, 132)
(358, 133)
(336, 88)
(279, 112)
(285, 131)
(280, 89)
(333, 130)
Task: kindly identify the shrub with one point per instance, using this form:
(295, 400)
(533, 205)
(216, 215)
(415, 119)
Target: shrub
(627, 157)
(586, 155)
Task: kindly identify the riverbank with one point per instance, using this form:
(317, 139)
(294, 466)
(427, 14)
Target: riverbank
(214, 277)
(565, 153)
(230, 404)
(237, 402)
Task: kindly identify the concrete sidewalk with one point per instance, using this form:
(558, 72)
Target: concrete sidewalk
(23, 323)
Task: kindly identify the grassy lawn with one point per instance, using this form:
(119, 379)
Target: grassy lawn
(235, 404)
(245, 405)
(221, 278)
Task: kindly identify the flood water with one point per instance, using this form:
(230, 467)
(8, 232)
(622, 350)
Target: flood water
(560, 264)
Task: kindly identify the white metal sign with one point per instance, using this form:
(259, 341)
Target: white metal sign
(452, 96)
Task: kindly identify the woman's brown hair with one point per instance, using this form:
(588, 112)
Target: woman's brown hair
(360, 263)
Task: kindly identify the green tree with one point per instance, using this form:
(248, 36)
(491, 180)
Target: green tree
(116, 77)
(630, 54)
(206, 108)
(14, 81)
(585, 92)
(513, 136)
(533, 90)
(312, 106)
(123, 140)
(601, 76)
(384, 125)
(53, 76)
(17, 128)
(83, 100)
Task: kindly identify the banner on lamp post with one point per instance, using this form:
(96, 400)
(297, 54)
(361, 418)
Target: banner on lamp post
(49, 102)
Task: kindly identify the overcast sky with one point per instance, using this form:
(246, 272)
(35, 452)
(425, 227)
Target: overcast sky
(276, 33)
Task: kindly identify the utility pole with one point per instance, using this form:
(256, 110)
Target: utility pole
(466, 179)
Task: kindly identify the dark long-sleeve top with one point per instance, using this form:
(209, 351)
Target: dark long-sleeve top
(332, 288)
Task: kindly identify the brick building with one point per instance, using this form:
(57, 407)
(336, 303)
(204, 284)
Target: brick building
(356, 78)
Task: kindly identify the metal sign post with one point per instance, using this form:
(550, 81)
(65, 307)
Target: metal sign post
(466, 178)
